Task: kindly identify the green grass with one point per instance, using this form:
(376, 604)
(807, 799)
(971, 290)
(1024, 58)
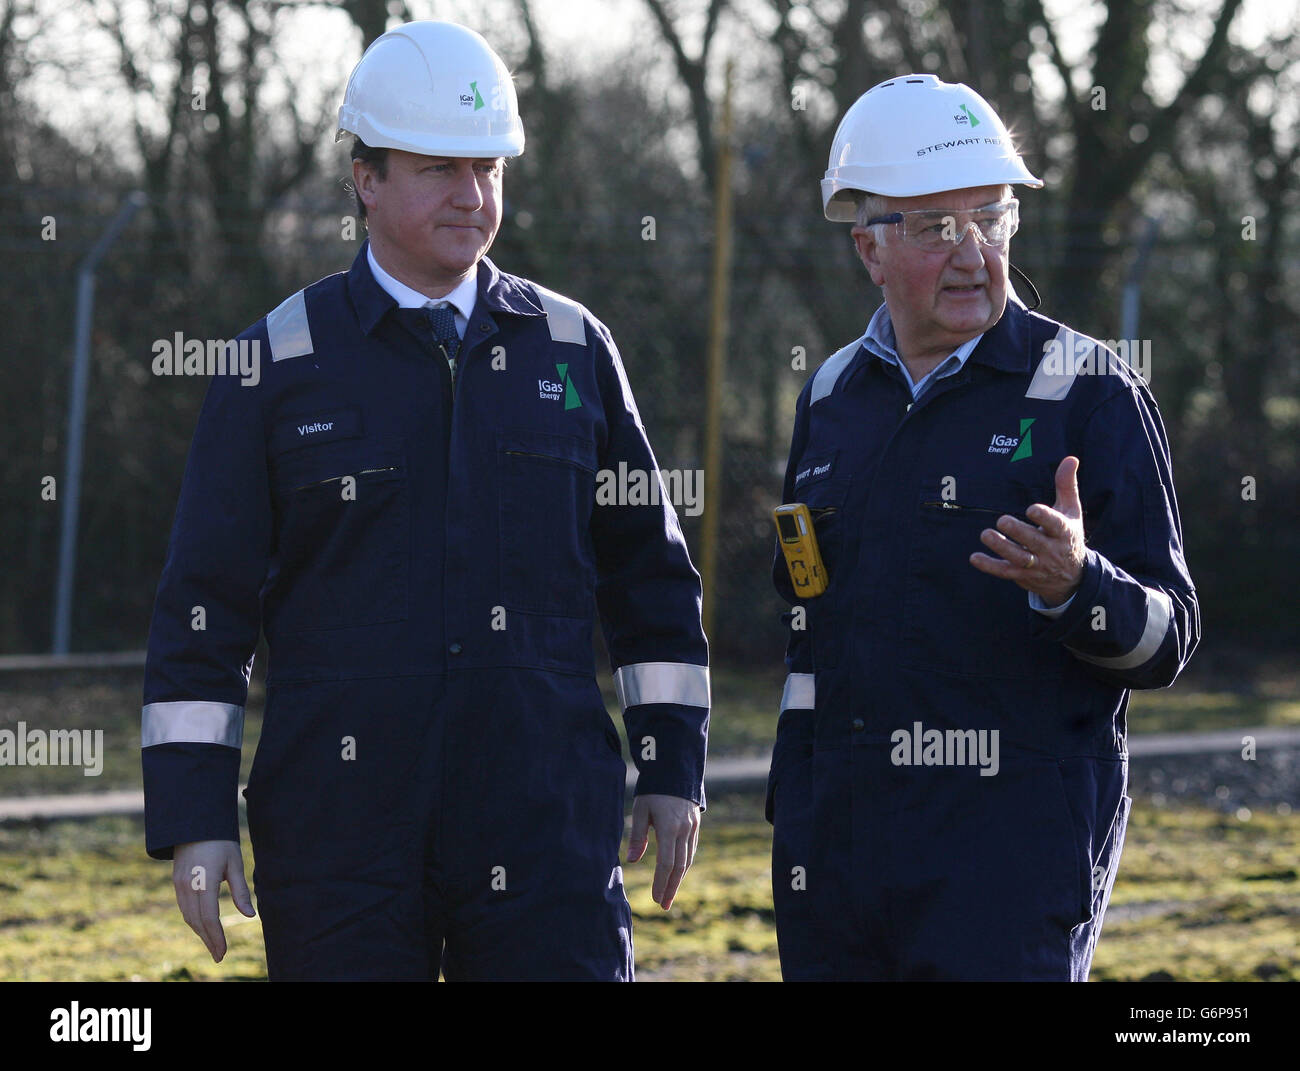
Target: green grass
(81, 901)
(1177, 709)
(1223, 896)
(1216, 898)
(721, 927)
(743, 721)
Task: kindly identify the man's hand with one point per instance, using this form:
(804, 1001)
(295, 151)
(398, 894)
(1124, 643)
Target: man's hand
(677, 831)
(205, 864)
(1047, 560)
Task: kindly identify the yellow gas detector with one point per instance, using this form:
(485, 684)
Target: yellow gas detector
(798, 538)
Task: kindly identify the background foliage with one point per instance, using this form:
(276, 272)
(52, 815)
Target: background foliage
(246, 204)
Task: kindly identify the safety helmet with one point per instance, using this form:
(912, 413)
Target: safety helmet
(433, 88)
(915, 135)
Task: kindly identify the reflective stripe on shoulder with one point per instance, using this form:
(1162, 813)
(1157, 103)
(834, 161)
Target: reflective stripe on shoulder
(800, 692)
(287, 329)
(825, 378)
(1063, 357)
(1160, 612)
(680, 683)
(192, 722)
(563, 317)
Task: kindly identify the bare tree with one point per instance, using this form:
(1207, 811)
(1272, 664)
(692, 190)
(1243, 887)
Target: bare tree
(693, 71)
(1117, 130)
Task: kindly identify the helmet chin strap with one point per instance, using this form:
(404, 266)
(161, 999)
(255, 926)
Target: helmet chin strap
(1029, 283)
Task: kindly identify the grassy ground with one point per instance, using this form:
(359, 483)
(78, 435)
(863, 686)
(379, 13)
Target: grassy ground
(1199, 896)
(1202, 896)
(743, 720)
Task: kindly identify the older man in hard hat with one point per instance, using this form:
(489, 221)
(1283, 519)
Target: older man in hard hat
(406, 504)
(992, 497)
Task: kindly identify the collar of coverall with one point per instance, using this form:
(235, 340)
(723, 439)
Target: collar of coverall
(1005, 345)
(497, 292)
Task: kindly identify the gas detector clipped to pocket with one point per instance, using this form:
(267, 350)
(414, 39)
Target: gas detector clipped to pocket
(798, 538)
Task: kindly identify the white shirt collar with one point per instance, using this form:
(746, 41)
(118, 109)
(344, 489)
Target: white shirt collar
(462, 298)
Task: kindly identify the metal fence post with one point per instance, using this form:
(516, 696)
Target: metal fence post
(77, 420)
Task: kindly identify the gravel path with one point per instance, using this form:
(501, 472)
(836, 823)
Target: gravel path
(1222, 780)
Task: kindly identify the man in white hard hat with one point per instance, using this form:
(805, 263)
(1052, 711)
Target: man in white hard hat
(406, 504)
(993, 501)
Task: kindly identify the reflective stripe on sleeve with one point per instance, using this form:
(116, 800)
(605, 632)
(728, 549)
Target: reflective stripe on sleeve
(662, 682)
(192, 722)
(1160, 613)
(287, 329)
(800, 692)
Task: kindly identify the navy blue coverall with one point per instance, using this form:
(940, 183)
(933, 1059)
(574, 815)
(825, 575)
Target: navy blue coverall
(933, 869)
(436, 762)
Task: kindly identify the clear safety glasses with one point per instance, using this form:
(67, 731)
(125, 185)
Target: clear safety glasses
(935, 230)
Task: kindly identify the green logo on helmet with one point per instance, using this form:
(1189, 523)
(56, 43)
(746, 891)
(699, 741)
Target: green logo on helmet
(478, 100)
(974, 120)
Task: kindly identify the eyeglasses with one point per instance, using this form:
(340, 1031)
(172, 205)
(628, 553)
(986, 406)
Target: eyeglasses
(934, 230)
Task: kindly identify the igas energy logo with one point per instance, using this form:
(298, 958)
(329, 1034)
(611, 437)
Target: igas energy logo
(564, 388)
(1023, 445)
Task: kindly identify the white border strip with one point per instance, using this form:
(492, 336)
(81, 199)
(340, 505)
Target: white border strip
(680, 683)
(1063, 356)
(564, 318)
(800, 692)
(192, 722)
(1160, 613)
(826, 376)
(287, 329)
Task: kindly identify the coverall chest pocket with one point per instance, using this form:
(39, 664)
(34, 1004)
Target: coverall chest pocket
(343, 535)
(956, 618)
(547, 486)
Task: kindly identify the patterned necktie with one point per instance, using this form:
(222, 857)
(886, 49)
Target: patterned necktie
(442, 319)
(436, 323)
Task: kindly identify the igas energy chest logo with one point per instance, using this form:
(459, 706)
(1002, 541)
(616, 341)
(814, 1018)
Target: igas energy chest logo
(1023, 444)
(553, 390)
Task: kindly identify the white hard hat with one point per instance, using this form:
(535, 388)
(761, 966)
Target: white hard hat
(915, 135)
(433, 88)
